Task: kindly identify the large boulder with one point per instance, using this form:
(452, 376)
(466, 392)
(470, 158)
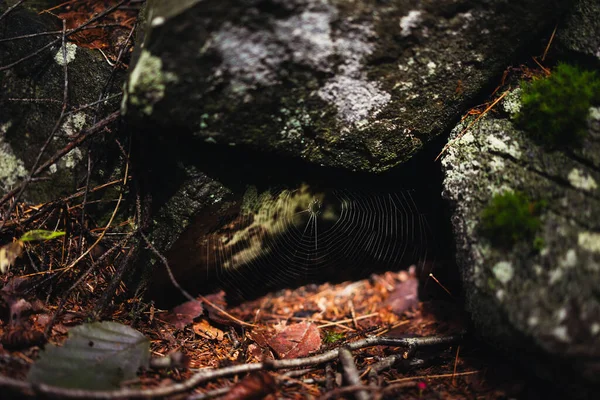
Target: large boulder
(580, 32)
(537, 298)
(31, 97)
(358, 85)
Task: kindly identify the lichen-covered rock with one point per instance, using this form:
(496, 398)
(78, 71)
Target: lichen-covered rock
(537, 297)
(359, 85)
(31, 97)
(580, 32)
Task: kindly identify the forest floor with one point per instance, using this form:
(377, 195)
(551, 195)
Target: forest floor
(55, 285)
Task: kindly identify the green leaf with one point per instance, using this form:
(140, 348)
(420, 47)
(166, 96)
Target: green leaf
(40, 234)
(96, 356)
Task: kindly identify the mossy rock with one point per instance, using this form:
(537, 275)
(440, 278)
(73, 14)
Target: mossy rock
(525, 220)
(555, 109)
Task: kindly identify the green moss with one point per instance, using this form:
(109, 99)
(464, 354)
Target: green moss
(332, 337)
(511, 217)
(555, 109)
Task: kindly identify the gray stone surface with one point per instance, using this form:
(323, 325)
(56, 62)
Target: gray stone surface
(580, 32)
(358, 85)
(31, 96)
(539, 305)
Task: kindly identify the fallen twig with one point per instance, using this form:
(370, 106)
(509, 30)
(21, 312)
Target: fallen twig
(351, 373)
(205, 375)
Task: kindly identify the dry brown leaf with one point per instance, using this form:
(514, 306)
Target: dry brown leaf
(207, 331)
(255, 386)
(296, 340)
(405, 296)
(183, 315)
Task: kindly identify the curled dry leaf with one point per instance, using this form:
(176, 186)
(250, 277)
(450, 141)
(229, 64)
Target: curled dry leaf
(405, 294)
(207, 331)
(184, 314)
(296, 340)
(254, 386)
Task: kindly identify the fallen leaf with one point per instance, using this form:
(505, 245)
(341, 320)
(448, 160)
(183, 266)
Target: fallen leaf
(296, 340)
(96, 356)
(40, 234)
(183, 315)
(207, 331)
(8, 254)
(254, 386)
(405, 295)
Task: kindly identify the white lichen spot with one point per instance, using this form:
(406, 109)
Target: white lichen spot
(355, 99)
(147, 83)
(308, 35)
(72, 158)
(503, 271)
(589, 241)
(569, 260)
(252, 58)
(555, 275)
(561, 333)
(74, 123)
(210, 139)
(561, 314)
(158, 21)
(582, 180)
(497, 144)
(431, 67)
(595, 328)
(12, 169)
(512, 102)
(533, 321)
(500, 294)
(53, 168)
(69, 55)
(409, 22)
(496, 164)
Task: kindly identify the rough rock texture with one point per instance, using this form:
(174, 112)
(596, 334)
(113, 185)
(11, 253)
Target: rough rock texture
(580, 32)
(359, 85)
(31, 96)
(540, 305)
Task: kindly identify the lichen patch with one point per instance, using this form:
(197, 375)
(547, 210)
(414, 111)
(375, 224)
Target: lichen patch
(581, 180)
(503, 271)
(410, 22)
(147, 83)
(12, 169)
(589, 241)
(355, 99)
(69, 55)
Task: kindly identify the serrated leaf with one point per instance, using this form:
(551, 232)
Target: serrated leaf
(96, 356)
(40, 234)
(9, 253)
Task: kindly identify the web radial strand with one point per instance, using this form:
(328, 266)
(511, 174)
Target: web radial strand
(294, 234)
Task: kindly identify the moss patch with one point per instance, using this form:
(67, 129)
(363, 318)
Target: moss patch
(511, 217)
(555, 109)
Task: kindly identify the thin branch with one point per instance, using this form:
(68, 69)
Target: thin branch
(351, 374)
(79, 281)
(9, 10)
(50, 33)
(205, 375)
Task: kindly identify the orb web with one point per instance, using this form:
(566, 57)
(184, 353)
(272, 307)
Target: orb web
(280, 237)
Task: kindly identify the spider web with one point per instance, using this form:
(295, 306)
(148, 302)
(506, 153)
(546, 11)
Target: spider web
(280, 238)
